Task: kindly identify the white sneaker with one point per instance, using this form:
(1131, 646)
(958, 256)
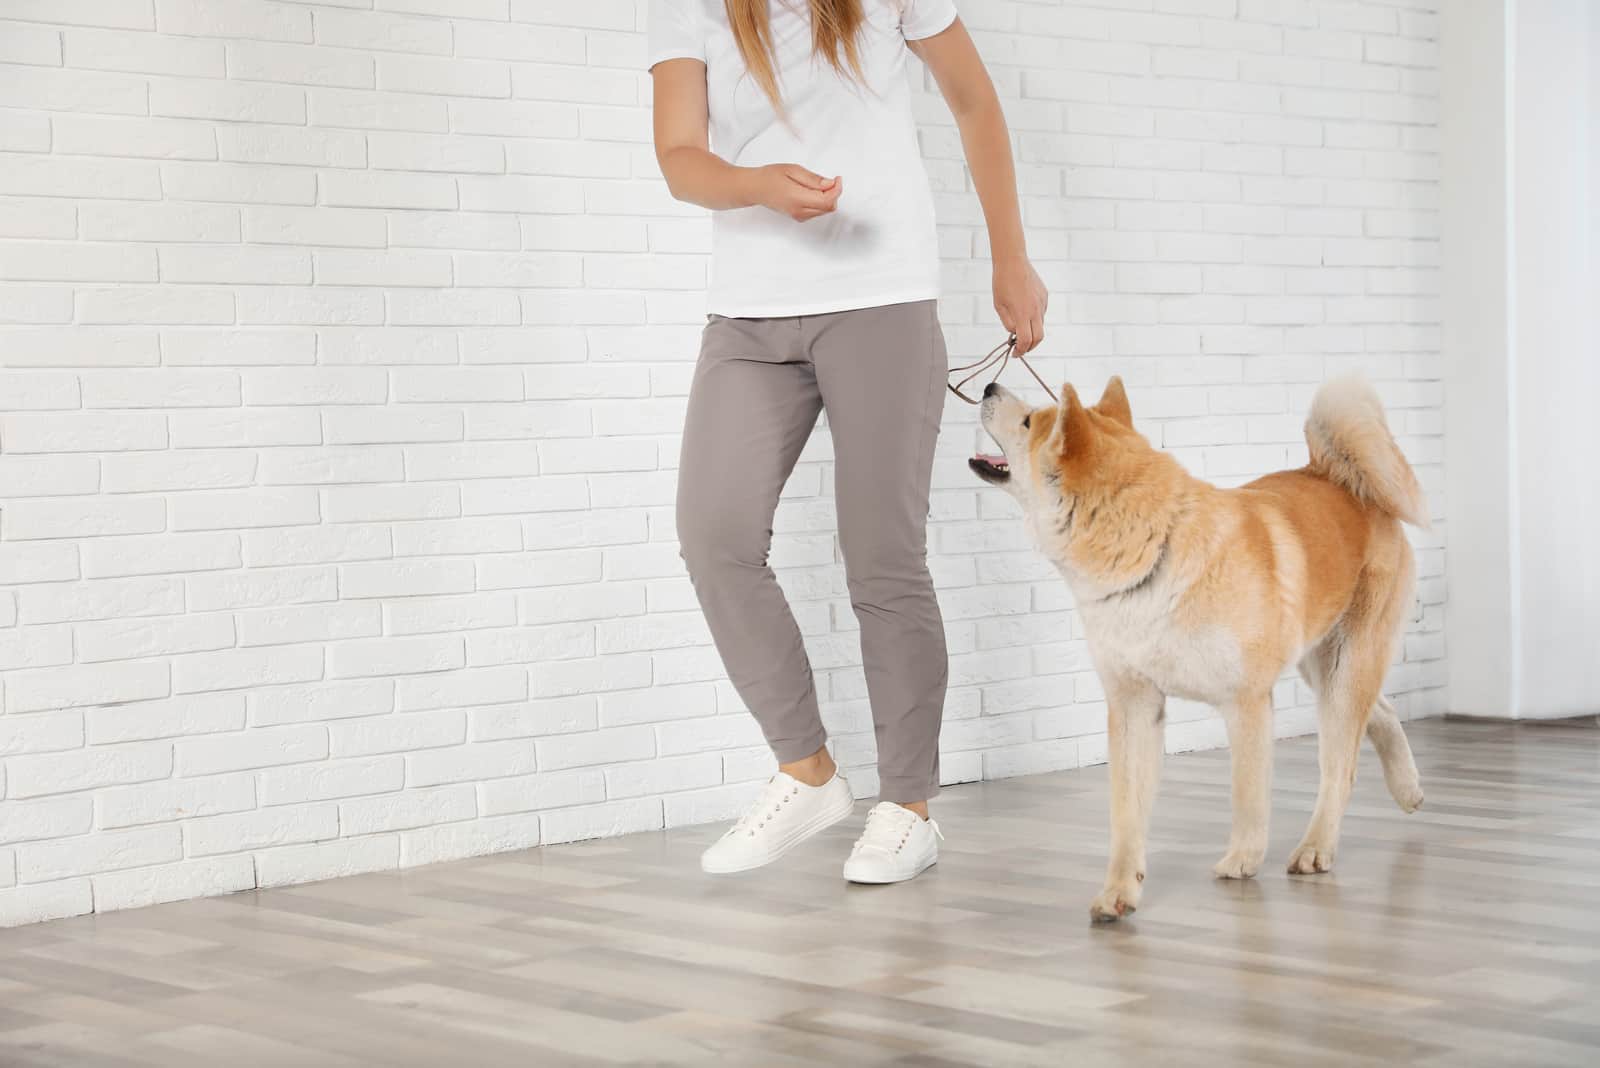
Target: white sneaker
(896, 845)
(786, 814)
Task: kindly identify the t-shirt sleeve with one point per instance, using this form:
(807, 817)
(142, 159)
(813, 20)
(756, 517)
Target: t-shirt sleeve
(924, 18)
(675, 31)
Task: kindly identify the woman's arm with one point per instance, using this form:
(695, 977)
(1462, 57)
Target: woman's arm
(1019, 295)
(696, 175)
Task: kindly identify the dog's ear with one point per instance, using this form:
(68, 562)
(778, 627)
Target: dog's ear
(1071, 433)
(1114, 403)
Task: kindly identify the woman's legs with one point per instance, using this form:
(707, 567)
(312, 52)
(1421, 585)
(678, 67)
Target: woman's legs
(756, 394)
(881, 374)
(752, 405)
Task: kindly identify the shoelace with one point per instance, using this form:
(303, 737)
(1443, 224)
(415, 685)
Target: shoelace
(777, 793)
(889, 828)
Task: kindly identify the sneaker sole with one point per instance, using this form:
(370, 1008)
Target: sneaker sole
(811, 830)
(872, 881)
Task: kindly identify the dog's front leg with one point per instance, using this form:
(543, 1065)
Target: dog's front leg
(1249, 721)
(1135, 744)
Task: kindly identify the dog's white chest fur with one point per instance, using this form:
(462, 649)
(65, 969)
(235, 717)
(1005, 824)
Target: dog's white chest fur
(1137, 632)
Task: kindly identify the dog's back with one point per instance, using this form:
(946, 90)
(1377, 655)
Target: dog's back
(1331, 531)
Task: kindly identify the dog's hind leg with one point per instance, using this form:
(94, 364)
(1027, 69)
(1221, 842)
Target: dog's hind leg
(1134, 734)
(1250, 749)
(1399, 767)
(1388, 739)
(1347, 672)
(1345, 696)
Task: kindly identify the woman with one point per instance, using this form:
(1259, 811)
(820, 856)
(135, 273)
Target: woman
(825, 274)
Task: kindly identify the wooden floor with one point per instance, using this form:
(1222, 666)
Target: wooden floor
(1467, 934)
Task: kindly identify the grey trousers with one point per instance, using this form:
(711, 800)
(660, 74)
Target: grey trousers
(759, 384)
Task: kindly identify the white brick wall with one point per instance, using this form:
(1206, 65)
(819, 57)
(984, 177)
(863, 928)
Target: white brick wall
(343, 352)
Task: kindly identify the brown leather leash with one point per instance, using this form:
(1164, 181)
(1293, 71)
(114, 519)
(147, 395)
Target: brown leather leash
(1000, 354)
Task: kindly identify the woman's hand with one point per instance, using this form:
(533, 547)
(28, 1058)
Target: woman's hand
(1020, 299)
(792, 190)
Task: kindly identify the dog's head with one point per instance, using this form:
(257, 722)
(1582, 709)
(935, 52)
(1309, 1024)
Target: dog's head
(1096, 494)
(1057, 451)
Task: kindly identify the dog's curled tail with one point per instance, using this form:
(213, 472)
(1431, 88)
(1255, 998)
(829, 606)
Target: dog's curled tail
(1351, 445)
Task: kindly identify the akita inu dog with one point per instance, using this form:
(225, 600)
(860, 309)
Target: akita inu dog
(1208, 594)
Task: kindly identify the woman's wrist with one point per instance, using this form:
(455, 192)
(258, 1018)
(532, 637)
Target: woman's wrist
(1008, 248)
(747, 183)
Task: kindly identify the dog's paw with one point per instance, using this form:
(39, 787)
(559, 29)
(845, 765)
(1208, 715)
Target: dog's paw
(1239, 864)
(1115, 902)
(1408, 796)
(1310, 859)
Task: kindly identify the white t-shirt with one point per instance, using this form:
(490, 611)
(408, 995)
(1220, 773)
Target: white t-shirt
(879, 246)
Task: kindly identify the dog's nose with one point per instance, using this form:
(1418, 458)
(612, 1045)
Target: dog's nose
(991, 389)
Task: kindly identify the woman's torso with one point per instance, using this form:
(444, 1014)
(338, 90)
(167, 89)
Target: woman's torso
(880, 245)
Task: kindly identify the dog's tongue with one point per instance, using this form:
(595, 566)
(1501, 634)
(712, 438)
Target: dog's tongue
(993, 459)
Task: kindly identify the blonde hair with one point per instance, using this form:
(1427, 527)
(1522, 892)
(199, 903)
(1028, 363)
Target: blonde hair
(835, 25)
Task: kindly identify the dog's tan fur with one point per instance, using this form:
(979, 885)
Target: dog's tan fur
(1208, 594)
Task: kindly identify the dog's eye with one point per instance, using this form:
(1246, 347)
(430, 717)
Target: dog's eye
(1027, 420)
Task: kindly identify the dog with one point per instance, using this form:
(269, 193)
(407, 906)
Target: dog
(1193, 591)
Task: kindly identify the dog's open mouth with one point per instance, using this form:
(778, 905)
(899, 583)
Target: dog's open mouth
(990, 466)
